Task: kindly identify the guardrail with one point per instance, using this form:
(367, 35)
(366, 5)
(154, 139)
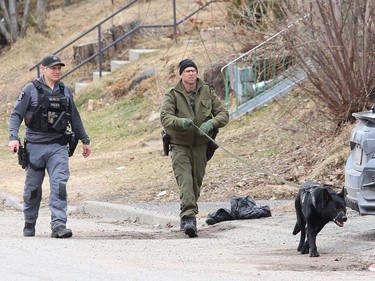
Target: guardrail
(98, 26)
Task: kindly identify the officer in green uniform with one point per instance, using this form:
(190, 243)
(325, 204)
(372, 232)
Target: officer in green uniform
(47, 107)
(190, 101)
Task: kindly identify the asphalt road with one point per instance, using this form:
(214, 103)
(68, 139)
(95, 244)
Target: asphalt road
(112, 242)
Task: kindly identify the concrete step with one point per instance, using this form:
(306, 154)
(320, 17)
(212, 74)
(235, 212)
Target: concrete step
(79, 86)
(95, 75)
(135, 54)
(115, 64)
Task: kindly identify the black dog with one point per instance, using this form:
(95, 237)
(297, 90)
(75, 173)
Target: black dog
(316, 206)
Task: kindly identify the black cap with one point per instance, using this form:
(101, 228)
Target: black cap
(50, 61)
(185, 64)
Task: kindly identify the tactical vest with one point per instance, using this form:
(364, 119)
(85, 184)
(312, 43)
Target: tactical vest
(50, 113)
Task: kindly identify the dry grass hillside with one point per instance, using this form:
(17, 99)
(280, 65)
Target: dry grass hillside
(287, 139)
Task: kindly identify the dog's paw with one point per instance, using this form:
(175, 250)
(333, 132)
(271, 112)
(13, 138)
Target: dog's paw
(305, 249)
(300, 247)
(314, 254)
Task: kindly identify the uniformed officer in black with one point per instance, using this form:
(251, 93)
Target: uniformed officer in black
(48, 109)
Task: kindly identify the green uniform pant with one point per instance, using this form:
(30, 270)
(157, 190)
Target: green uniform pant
(189, 166)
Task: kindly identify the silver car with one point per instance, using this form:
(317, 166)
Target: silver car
(360, 166)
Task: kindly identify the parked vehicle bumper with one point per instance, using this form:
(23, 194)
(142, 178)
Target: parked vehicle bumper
(360, 187)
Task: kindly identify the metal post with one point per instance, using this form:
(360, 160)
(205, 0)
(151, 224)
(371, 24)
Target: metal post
(100, 50)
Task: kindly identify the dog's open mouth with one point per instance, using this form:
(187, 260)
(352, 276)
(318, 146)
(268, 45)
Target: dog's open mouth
(340, 219)
(339, 223)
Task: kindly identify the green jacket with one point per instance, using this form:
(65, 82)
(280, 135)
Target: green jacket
(176, 105)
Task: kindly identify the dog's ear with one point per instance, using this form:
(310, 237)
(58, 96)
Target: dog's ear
(326, 195)
(342, 193)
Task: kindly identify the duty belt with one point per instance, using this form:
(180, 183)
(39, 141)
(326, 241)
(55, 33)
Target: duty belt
(53, 141)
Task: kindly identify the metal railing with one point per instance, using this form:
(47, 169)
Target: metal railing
(102, 50)
(259, 69)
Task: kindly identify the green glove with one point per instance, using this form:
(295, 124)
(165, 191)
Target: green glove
(206, 127)
(185, 123)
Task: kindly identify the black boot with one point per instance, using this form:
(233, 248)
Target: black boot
(190, 227)
(29, 229)
(61, 232)
(182, 223)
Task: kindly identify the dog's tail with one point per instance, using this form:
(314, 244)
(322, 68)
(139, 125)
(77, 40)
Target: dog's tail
(297, 229)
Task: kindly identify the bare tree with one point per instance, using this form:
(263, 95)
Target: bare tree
(13, 19)
(254, 13)
(9, 26)
(334, 44)
(41, 14)
(5, 20)
(26, 11)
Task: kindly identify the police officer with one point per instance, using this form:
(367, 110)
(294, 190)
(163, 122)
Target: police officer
(48, 110)
(190, 101)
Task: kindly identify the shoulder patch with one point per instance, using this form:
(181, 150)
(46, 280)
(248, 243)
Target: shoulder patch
(20, 97)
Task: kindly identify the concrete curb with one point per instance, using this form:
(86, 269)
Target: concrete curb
(10, 201)
(108, 211)
(120, 213)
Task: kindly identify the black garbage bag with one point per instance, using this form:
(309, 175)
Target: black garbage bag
(245, 208)
(219, 216)
(241, 208)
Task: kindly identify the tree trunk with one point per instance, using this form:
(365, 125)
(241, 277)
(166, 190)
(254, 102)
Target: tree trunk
(24, 18)
(41, 7)
(3, 29)
(84, 51)
(5, 11)
(13, 20)
(5, 32)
